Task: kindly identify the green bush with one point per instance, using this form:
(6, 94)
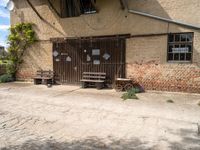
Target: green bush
(10, 68)
(136, 90)
(131, 94)
(21, 37)
(6, 78)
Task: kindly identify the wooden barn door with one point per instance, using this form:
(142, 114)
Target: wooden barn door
(104, 55)
(75, 56)
(66, 62)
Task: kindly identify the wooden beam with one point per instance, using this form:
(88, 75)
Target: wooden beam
(63, 39)
(77, 5)
(51, 5)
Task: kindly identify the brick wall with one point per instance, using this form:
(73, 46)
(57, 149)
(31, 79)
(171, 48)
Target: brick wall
(166, 77)
(146, 49)
(36, 58)
(147, 64)
(145, 56)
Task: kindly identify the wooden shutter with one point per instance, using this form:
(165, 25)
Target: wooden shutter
(70, 8)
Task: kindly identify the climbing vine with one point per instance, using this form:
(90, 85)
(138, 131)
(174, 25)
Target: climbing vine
(21, 37)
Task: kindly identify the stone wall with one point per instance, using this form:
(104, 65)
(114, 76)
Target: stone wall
(147, 64)
(36, 58)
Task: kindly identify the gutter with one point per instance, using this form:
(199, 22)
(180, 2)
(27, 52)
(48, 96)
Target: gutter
(160, 18)
(164, 19)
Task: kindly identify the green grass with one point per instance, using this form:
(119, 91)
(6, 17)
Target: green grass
(131, 94)
(170, 101)
(126, 96)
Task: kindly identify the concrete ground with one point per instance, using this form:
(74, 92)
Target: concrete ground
(67, 117)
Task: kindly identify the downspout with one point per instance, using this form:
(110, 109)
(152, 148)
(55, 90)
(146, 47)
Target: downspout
(164, 19)
(160, 18)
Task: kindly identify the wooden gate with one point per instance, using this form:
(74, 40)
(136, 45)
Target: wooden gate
(72, 57)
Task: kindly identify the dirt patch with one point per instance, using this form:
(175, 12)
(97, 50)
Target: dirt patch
(67, 117)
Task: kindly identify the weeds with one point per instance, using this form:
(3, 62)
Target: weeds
(170, 101)
(131, 94)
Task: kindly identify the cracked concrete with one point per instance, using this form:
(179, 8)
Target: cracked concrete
(67, 117)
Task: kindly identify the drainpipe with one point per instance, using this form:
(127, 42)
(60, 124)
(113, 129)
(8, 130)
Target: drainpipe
(164, 19)
(160, 18)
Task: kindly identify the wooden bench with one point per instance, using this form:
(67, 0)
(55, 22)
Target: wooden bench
(44, 77)
(93, 79)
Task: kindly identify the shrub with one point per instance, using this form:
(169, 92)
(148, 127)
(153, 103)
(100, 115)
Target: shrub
(6, 78)
(21, 37)
(131, 94)
(136, 89)
(2, 69)
(10, 68)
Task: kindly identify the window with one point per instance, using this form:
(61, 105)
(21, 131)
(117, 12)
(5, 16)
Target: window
(87, 6)
(70, 8)
(74, 8)
(180, 47)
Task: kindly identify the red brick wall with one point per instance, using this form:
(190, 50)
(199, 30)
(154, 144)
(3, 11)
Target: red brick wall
(25, 75)
(166, 77)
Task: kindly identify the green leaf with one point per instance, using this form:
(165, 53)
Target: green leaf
(21, 37)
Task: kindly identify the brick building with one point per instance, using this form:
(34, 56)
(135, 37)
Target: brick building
(155, 42)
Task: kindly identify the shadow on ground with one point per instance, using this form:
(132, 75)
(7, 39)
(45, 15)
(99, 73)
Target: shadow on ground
(189, 140)
(94, 143)
(91, 143)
